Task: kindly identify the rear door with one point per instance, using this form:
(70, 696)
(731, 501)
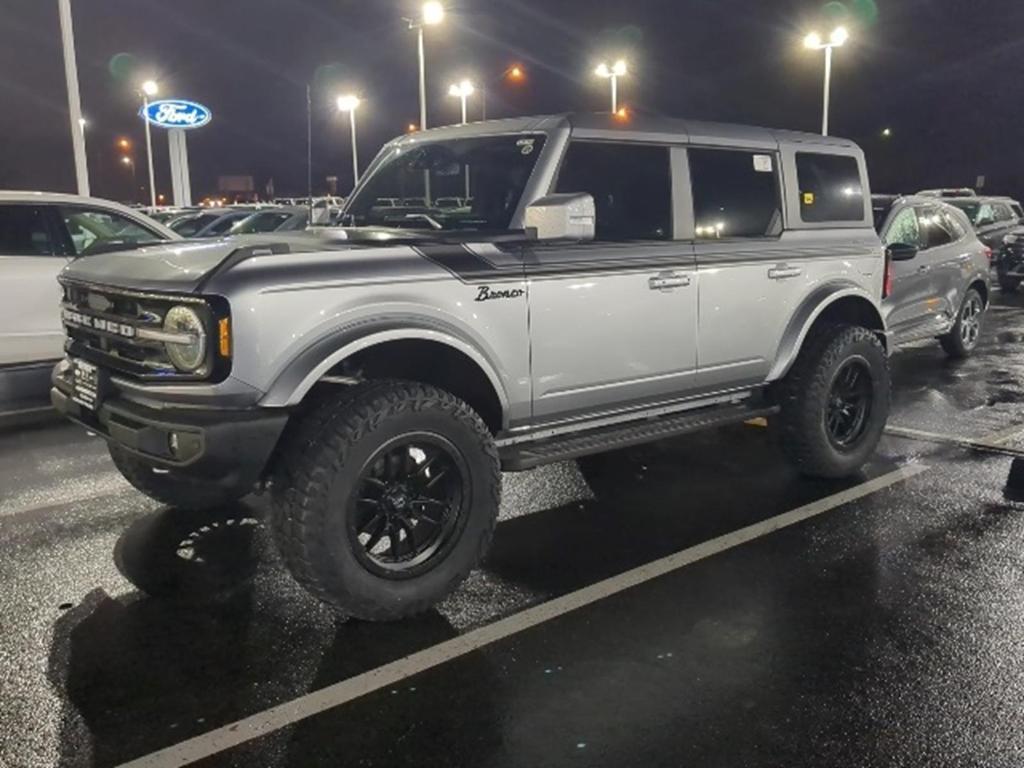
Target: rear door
(31, 257)
(613, 322)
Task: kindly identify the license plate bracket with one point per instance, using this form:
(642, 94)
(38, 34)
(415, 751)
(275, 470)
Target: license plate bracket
(88, 384)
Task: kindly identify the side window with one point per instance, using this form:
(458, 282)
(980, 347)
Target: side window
(1017, 212)
(904, 229)
(830, 187)
(934, 228)
(631, 185)
(986, 215)
(1003, 212)
(93, 230)
(735, 194)
(24, 231)
(953, 224)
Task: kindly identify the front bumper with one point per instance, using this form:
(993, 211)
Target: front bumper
(229, 447)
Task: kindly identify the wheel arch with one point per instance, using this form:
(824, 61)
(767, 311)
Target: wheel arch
(424, 354)
(828, 304)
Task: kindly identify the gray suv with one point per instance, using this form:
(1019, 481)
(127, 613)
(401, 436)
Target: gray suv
(938, 272)
(607, 283)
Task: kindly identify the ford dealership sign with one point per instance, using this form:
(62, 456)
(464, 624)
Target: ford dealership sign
(176, 113)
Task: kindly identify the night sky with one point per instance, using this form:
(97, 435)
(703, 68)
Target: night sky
(944, 75)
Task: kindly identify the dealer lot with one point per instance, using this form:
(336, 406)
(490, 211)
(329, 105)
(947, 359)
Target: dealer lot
(885, 629)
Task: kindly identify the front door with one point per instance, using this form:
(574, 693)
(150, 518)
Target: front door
(613, 322)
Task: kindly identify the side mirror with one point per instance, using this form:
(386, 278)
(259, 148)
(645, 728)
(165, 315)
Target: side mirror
(901, 252)
(567, 216)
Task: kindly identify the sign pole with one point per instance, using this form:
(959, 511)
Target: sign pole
(180, 183)
(67, 35)
(149, 151)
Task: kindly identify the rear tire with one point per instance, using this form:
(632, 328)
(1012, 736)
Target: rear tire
(384, 500)
(171, 488)
(961, 341)
(822, 429)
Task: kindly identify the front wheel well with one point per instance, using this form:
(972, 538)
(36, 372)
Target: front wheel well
(981, 288)
(426, 362)
(851, 310)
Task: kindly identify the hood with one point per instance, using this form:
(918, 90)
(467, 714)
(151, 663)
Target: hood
(185, 266)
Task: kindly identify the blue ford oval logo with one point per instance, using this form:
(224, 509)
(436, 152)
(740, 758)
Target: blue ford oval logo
(176, 113)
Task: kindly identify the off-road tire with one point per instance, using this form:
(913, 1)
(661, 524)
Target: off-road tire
(804, 396)
(953, 342)
(1008, 284)
(320, 458)
(171, 488)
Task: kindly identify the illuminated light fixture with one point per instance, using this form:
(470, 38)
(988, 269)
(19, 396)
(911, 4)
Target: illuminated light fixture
(612, 73)
(836, 39)
(150, 88)
(433, 13)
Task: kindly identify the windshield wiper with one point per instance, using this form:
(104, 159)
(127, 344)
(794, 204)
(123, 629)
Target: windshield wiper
(434, 223)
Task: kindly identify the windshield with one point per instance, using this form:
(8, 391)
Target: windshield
(968, 207)
(268, 221)
(416, 186)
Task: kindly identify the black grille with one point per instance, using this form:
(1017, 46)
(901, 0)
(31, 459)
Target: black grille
(141, 358)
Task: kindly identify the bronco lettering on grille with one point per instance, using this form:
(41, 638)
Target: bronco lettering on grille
(98, 324)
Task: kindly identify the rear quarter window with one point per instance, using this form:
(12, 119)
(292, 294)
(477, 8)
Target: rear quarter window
(830, 188)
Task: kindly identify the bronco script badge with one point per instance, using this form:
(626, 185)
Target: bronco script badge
(486, 294)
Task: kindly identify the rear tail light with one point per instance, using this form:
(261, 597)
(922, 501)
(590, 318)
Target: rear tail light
(890, 276)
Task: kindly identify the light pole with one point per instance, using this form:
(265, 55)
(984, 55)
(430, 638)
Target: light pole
(350, 103)
(431, 15)
(127, 161)
(814, 42)
(149, 88)
(613, 73)
(67, 35)
(462, 91)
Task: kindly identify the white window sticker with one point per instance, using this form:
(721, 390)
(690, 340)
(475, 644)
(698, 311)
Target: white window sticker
(763, 163)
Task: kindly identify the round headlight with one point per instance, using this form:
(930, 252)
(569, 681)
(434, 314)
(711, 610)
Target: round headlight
(190, 356)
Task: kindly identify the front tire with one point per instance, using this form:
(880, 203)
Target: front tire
(835, 402)
(963, 337)
(385, 500)
(169, 487)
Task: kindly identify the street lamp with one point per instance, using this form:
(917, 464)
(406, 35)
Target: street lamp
(514, 74)
(67, 34)
(613, 73)
(814, 42)
(462, 90)
(431, 14)
(350, 103)
(149, 88)
(130, 164)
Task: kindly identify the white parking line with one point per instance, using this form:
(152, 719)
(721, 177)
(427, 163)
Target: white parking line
(996, 441)
(315, 702)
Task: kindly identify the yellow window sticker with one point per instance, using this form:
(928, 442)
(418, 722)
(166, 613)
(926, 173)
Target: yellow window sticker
(808, 198)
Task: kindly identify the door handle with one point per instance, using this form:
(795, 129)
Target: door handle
(666, 281)
(924, 268)
(783, 272)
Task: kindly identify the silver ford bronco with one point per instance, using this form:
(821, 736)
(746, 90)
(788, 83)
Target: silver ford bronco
(603, 283)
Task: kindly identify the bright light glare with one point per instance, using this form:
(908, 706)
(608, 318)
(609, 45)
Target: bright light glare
(618, 69)
(348, 103)
(126, 160)
(463, 88)
(516, 73)
(839, 36)
(150, 88)
(813, 40)
(433, 13)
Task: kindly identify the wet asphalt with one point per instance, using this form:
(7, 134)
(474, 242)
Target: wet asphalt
(888, 631)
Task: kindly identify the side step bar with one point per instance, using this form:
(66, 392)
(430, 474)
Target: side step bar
(534, 454)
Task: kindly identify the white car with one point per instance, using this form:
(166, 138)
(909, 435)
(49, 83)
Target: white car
(40, 233)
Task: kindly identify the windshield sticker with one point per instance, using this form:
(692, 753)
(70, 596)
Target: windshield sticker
(808, 198)
(526, 146)
(763, 163)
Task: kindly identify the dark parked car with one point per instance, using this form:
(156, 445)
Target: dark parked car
(991, 217)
